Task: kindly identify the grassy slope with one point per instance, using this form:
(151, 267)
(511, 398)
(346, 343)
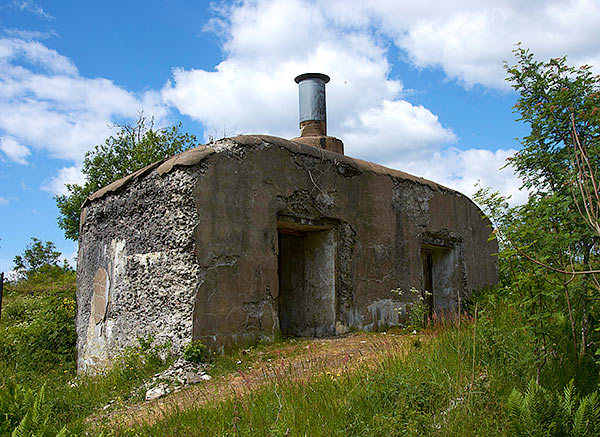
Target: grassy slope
(37, 348)
(434, 387)
(454, 381)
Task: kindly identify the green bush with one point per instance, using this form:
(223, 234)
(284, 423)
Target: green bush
(14, 402)
(38, 332)
(36, 421)
(195, 352)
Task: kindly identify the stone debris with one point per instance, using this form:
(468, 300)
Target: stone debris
(178, 375)
(157, 392)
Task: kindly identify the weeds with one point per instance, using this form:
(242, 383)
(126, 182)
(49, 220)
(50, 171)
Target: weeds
(417, 310)
(195, 352)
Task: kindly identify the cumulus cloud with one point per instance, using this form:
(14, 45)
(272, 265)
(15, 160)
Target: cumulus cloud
(470, 39)
(266, 45)
(45, 104)
(15, 151)
(462, 170)
(393, 129)
(66, 175)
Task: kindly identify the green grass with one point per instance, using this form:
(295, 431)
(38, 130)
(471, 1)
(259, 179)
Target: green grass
(71, 398)
(454, 382)
(435, 389)
(37, 349)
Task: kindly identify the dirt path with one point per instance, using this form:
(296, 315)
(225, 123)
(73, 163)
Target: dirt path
(295, 361)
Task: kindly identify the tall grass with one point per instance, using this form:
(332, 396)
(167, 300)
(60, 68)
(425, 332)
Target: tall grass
(453, 378)
(455, 382)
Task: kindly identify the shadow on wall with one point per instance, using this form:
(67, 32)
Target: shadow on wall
(306, 268)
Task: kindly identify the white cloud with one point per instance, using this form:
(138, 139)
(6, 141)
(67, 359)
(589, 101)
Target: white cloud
(32, 52)
(15, 151)
(66, 175)
(71, 259)
(470, 39)
(462, 169)
(267, 44)
(30, 6)
(3, 201)
(396, 128)
(28, 34)
(45, 104)
(9, 273)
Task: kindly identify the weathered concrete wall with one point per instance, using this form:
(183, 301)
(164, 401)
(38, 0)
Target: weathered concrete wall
(199, 234)
(142, 237)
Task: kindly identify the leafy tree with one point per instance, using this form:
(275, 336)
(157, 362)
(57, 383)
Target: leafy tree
(130, 149)
(546, 244)
(38, 257)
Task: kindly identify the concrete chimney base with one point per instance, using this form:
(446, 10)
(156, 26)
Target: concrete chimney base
(323, 142)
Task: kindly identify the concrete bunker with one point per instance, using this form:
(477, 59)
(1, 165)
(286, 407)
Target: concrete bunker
(306, 276)
(236, 241)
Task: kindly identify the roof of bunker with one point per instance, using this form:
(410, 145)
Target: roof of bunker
(196, 155)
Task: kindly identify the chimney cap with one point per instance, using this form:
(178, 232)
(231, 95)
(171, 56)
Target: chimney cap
(305, 76)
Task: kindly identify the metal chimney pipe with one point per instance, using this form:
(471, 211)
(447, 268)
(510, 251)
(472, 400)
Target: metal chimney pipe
(313, 113)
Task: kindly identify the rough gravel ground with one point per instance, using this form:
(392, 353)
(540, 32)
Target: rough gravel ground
(298, 360)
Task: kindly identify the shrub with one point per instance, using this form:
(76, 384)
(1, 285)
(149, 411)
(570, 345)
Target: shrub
(195, 352)
(38, 332)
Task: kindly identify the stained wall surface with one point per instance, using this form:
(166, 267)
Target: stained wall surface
(191, 247)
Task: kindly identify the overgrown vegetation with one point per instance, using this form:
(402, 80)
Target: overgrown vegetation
(39, 389)
(456, 383)
(540, 412)
(195, 352)
(547, 244)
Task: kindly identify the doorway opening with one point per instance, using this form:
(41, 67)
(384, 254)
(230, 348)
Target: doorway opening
(306, 268)
(439, 284)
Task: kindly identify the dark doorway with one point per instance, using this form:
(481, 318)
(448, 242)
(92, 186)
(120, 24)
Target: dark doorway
(427, 291)
(306, 269)
(440, 277)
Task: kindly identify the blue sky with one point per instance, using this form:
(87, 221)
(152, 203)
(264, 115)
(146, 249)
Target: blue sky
(417, 86)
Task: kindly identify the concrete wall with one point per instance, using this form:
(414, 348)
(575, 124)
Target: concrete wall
(142, 238)
(198, 234)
